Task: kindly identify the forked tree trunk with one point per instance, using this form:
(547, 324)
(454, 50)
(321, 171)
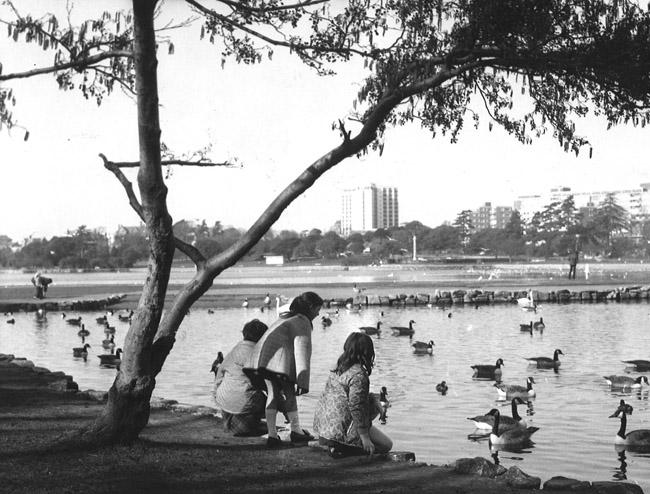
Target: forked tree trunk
(127, 410)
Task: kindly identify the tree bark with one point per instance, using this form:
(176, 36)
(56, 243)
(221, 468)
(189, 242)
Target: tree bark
(127, 410)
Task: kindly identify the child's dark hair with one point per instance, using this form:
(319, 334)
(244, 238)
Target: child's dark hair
(303, 303)
(357, 349)
(253, 330)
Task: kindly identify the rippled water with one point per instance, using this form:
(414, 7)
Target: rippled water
(571, 408)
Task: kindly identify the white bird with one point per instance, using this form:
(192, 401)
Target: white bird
(244, 304)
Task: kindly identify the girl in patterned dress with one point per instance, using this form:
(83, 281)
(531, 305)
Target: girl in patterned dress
(343, 416)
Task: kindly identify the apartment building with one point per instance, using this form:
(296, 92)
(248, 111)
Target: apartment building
(368, 208)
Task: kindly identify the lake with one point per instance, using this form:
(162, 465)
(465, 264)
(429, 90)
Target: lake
(575, 437)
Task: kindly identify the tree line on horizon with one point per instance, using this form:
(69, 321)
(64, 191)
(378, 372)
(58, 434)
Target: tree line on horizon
(557, 230)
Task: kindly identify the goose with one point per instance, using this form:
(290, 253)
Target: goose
(487, 421)
(422, 347)
(514, 390)
(639, 365)
(244, 304)
(404, 331)
(81, 351)
(11, 321)
(442, 387)
(267, 300)
(76, 321)
(210, 311)
(639, 438)
(110, 360)
(125, 318)
(516, 435)
(326, 321)
(101, 320)
(487, 371)
(539, 325)
(63, 316)
(546, 362)
(217, 362)
(371, 329)
(526, 327)
(109, 343)
(626, 381)
(9, 313)
(83, 331)
(108, 329)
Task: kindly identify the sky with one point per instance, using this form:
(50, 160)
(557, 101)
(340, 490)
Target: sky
(275, 119)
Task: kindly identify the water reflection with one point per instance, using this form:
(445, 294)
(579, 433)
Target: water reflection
(620, 472)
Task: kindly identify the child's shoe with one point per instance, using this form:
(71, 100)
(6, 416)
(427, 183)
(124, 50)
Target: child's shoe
(297, 437)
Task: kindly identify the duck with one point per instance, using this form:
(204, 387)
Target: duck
(75, 321)
(371, 329)
(514, 390)
(325, 321)
(109, 343)
(442, 387)
(539, 325)
(404, 331)
(487, 421)
(267, 300)
(108, 329)
(546, 362)
(217, 362)
(639, 365)
(487, 371)
(516, 435)
(11, 321)
(111, 360)
(83, 331)
(81, 351)
(244, 304)
(526, 327)
(422, 347)
(639, 438)
(626, 381)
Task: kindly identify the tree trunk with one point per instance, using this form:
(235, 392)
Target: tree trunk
(127, 410)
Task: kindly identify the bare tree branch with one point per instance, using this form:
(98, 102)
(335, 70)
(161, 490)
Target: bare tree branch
(189, 250)
(276, 8)
(73, 64)
(135, 164)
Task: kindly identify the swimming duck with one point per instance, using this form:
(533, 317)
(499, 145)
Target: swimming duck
(217, 362)
(11, 321)
(422, 347)
(639, 365)
(487, 421)
(526, 327)
(371, 329)
(83, 331)
(516, 435)
(487, 371)
(326, 321)
(75, 321)
(109, 343)
(513, 390)
(442, 387)
(546, 362)
(404, 331)
(539, 325)
(639, 438)
(81, 351)
(111, 360)
(626, 381)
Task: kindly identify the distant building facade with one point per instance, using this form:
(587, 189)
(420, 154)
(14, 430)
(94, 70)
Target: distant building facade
(635, 201)
(368, 208)
(487, 216)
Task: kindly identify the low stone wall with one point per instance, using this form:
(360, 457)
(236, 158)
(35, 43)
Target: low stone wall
(69, 304)
(443, 298)
(20, 373)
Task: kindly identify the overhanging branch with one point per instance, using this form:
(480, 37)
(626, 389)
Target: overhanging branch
(189, 250)
(135, 164)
